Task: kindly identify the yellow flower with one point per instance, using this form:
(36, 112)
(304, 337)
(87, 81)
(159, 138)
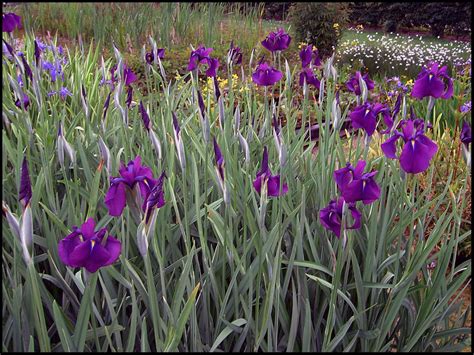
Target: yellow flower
(302, 44)
(409, 82)
(336, 25)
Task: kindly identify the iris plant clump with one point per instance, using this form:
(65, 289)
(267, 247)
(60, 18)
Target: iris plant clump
(201, 243)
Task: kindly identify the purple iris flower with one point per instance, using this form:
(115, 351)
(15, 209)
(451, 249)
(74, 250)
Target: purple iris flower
(264, 176)
(331, 216)
(42, 46)
(305, 55)
(26, 102)
(130, 175)
(54, 70)
(433, 81)
(145, 117)
(10, 22)
(150, 57)
(20, 80)
(353, 83)
(128, 75)
(202, 56)
(277, 41)
(308, 74)
(25, 184)
(234, 54)
(85, 247)
(466, 107)
(466, 137)
(365, 116)
(355, 185)
(156, 196)
(265, 75)
(63, 92)
(417, 150)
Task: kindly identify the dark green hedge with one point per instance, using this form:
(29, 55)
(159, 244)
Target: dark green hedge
(440, 17)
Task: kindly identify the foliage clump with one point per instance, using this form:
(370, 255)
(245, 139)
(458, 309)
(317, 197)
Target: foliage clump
(318, 24)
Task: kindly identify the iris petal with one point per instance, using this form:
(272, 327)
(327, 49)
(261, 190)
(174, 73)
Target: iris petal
(389, 147)
(416, 154)
(116, 199)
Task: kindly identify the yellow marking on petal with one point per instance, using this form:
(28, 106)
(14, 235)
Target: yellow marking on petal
(93, 243)
(81, 239)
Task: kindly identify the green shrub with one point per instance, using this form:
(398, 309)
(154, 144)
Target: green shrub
(390, 26)
(440, 17)
(314, 24)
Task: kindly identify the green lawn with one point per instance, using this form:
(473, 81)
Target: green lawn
(396, 54)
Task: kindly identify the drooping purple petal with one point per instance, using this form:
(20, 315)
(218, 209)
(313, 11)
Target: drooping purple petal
(115, 199)
(389, 147)
(97, 258)
(114, 248)
(417, 153)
